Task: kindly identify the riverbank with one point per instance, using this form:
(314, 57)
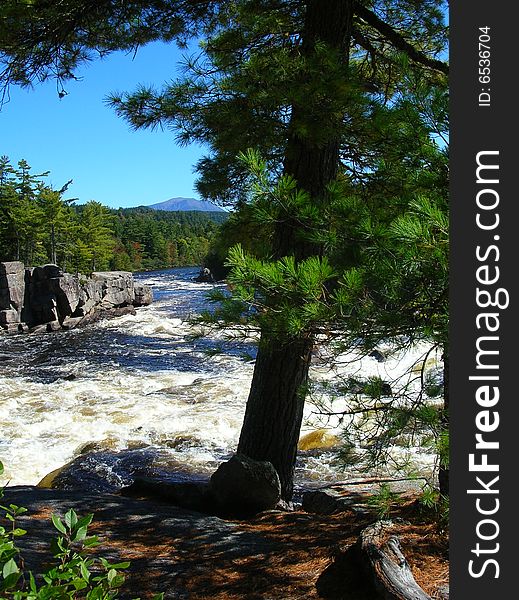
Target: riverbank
(189, 555)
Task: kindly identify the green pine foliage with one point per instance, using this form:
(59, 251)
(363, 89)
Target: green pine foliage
(381, 278)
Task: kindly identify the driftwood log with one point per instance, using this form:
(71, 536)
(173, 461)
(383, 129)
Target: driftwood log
(382, 558)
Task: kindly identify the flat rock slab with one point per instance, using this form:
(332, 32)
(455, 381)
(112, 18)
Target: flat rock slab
(355, 496)
(166, 545)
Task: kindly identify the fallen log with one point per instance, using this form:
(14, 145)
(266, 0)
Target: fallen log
(382, 558)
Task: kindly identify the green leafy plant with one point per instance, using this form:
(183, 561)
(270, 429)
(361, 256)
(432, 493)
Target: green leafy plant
(74, 576)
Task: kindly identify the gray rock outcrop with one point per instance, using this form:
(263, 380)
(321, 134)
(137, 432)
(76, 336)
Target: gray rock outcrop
(12, 293)
(45, 298)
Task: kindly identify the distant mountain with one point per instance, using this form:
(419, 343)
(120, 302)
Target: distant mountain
(184, 204)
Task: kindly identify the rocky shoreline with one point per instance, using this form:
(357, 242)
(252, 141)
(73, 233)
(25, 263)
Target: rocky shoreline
(45, 298)
(190, 554)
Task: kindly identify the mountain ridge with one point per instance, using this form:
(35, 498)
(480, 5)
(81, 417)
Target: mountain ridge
(180, 204)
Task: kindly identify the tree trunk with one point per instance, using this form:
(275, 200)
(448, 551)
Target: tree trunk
(274, 410)
(383, 560)
(275, 404)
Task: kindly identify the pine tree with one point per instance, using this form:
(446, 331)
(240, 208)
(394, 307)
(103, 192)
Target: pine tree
(55, 218)
(96, 238)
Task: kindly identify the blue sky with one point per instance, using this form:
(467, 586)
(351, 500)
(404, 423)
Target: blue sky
(80, 138)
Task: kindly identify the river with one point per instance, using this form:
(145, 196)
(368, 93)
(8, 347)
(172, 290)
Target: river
(140, 390)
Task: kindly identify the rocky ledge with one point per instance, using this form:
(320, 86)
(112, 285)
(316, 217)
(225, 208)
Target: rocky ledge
(47, 299)
(190, 555)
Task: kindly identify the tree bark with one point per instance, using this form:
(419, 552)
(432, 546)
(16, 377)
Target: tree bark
(274, 410)
(275, 404)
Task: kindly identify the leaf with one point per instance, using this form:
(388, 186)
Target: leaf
(10, 567)
(10, 581)
(19, 532)
(121, 565)
(80, 534)
(85, 573)
(79, 584)
(56, 521)
(85, 521)
(91, 542)
(70, 519)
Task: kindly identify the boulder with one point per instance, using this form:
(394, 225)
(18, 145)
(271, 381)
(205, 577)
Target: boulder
(329, 501)
(205, 276)
(242, 486)
(193, 495)
(355, 496)
(52, 295)
(117, 288)
(143, 294)
(320, 439)
(67, 290)
(9, 316)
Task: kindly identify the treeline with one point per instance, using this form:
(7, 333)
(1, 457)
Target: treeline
(39, 225)
(152, 239)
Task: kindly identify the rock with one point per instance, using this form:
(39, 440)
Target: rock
(243, 486)
(143, 295)
(46, 327)
(46, 299)
(354, 496)
(377, 355)
(329, 501)
(117, 288)
(318, 439)
(68, 293)
(205, 276)
(193, 495)
(9, 316)
(71, 322)
(12, 293)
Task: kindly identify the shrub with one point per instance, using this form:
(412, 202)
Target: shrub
(74, 576)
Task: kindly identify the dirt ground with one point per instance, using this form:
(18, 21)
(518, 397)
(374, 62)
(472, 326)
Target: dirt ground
(275, 556)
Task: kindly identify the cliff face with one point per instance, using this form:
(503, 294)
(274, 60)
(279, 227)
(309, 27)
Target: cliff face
(45, 298)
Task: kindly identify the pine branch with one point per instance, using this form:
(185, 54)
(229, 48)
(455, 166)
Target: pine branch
(398, 40)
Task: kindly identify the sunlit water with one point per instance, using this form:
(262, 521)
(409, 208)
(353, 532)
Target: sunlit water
(143, 385)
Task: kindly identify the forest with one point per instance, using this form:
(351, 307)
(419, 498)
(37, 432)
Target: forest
(39, 225)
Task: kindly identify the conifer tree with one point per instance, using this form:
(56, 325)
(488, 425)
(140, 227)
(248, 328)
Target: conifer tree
(55, 218)
(95, 236)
